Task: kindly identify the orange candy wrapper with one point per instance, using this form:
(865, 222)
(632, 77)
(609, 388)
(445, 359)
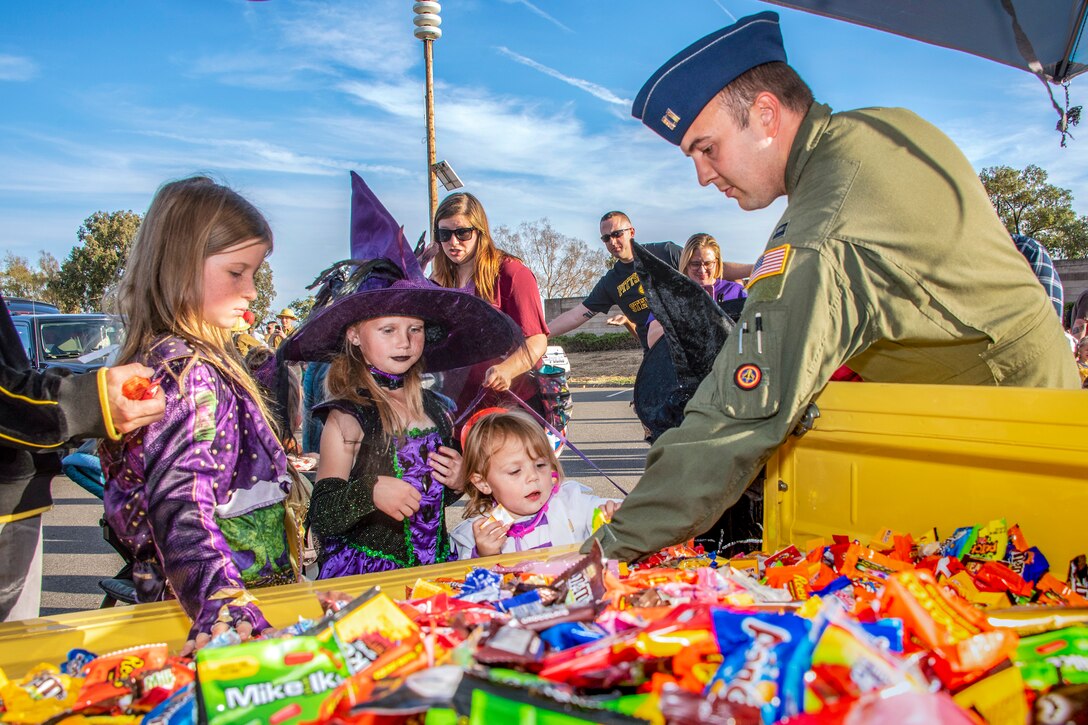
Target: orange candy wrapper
(965, 643)
(140, 388)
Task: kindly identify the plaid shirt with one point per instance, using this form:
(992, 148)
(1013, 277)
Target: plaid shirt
(1043, 265)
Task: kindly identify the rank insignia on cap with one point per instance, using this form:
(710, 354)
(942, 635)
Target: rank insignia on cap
(670, 119)
(748, 377)
(771, 263)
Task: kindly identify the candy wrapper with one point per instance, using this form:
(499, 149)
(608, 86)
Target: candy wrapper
(991, 542)
(502, 696)
(758, 675)
(43, 693)
(1054, 658)
(852, 659)
(278, 681)
(1063, 706)
(178, 709)
(415, 693)
(500, 515)
(936, 620)
(583, 583)
(140, 388)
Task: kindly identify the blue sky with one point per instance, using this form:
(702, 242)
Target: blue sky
(103, 101)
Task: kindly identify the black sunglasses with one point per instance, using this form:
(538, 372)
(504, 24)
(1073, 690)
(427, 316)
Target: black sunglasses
(463, 234)
(614, 235)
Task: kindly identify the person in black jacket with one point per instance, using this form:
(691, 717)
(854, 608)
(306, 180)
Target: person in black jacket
(39, 412)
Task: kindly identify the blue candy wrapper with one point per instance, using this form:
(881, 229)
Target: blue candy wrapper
(757, 675)
(77, 660)
(522, 605)
(481, 585)
(178, 709)
(889, 631)
(571, 634)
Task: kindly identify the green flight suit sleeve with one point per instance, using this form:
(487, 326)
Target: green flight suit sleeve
(815, 316)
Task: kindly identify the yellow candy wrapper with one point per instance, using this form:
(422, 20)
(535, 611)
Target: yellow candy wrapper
(991, 542)
(42, 694)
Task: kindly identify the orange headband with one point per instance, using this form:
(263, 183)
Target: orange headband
(475, 418)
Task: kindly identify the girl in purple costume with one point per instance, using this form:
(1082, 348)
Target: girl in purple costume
(387, 470)
(198, 496)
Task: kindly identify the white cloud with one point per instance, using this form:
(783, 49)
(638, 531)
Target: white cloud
(372, 36)
(17, 68)
(336, 39)
(536, 10)
(402, 99)
(589, 87)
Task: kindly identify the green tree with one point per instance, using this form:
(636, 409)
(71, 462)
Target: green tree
(19, 279)
(564, 266)
(97, 261)
(1029, 205)
(266, 293)
(302, 306)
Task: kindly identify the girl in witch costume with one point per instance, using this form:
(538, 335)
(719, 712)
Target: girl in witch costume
(388, 467)
(518, 499)
(197, 497)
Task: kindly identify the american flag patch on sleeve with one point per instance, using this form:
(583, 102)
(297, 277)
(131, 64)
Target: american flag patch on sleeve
(771, 263)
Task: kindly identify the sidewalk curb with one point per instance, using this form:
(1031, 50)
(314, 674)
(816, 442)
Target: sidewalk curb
(601, 385)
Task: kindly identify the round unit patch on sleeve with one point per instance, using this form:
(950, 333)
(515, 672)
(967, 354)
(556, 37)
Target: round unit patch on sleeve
(748, 377)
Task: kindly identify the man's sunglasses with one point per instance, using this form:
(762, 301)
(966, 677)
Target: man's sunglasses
(463, 234)
(614, 234)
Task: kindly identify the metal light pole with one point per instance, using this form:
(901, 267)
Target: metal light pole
(427, 21)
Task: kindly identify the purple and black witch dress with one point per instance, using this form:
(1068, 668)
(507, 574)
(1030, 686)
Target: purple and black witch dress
(197, 497)
(354, 537)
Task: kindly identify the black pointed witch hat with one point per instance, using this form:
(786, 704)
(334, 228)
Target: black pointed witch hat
(695, 328)
(386, 280)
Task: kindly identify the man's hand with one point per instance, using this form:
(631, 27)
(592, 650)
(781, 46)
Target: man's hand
(128, 415)
(243, 628)
(617, 320)
(490, 536)
(445, 466)
(395, 498)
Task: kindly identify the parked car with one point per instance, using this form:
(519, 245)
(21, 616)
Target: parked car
(23, 306)
(80, 342)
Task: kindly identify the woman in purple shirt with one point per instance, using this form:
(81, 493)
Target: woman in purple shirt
(701, 261)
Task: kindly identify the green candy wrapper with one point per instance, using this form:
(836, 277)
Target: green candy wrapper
(275, 681)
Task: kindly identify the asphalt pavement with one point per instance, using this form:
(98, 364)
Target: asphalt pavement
(603, 427)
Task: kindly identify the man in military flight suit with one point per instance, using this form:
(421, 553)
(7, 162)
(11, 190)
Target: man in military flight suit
(888, 258)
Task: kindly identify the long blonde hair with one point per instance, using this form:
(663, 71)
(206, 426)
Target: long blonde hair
(349, 372)
(488, 258)
(162, 290)
(701, 241)
(488, 435)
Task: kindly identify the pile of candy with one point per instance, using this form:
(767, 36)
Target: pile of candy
(966, 630)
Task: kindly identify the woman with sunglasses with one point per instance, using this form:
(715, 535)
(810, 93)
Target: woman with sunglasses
(470, 260)
(701, 261)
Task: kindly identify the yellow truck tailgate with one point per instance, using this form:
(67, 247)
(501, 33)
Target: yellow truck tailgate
(911, 457)
(47, 639)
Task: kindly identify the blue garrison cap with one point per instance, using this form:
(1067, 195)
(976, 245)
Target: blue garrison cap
(679, 90)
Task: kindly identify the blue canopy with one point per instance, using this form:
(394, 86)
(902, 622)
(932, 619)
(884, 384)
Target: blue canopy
(1041, 36)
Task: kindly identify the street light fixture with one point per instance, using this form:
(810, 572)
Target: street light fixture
(427, 21)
